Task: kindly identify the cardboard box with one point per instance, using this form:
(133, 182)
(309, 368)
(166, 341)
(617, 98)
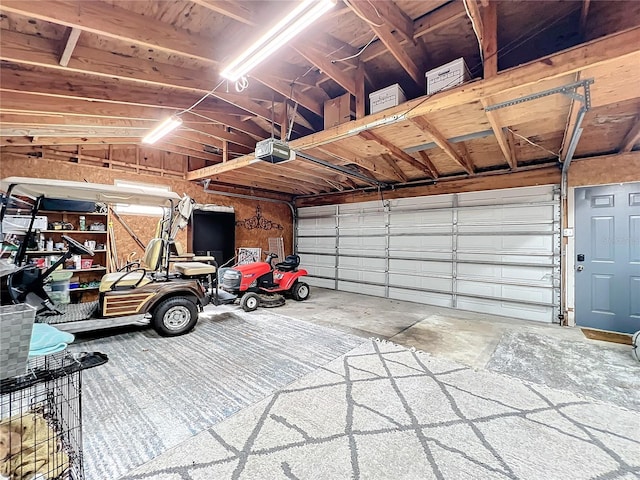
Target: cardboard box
(448, 75)
(387, 97)
(337, 110)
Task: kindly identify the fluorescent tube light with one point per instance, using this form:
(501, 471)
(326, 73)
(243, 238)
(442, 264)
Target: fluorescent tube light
(161, 130)
(292, 24)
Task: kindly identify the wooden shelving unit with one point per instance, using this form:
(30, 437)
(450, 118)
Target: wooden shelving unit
(101, 255)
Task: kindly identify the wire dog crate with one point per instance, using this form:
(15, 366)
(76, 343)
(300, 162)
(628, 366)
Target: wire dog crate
(41, 420)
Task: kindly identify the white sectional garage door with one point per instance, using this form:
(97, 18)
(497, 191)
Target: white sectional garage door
(494, 252)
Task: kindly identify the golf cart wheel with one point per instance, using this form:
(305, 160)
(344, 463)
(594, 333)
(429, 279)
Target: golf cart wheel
(175, 316)
(249, 302)
(300, 291)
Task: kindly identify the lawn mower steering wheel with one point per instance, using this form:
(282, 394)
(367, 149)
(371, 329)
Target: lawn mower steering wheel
(76, 247)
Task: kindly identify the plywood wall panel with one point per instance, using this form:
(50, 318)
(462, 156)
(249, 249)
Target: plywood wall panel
(145, 226)
(604, 170)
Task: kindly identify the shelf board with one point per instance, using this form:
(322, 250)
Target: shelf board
(97, 269)
(104, 232)
(54, 252)
(83, 289)
(72, 213)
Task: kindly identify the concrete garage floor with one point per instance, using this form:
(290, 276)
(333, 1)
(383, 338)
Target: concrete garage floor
(560, 357)
(465, 337)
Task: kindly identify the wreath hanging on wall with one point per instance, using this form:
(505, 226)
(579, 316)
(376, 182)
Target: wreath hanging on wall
(258, 222)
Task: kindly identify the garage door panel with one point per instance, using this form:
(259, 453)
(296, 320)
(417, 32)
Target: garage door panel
(375, 290)
(427, 298)
(493, 251)
(317, 226)
(421, 283)
(521, 311)
(367, 246)
(498, 258)
(420, 244)
(534, 276)
(360, 263)
(320, 282)
(322, 211)
(422, 203)
(316, 245)
(420, 222)
(417, 267)
(361, 275)
(522, 244)
(525, 217)
(508, 196)
(505, 292)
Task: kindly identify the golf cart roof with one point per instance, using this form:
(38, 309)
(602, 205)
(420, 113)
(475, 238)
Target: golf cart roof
(84, 191)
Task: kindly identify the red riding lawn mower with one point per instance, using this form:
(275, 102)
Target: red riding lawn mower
(262, 284)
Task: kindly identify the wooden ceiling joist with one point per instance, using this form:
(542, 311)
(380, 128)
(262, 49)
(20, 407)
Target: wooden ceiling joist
(116, 22)
(632, 137)
(399, 174)
(384, 32)
(345, 79)
(235, 10)
(433, 171)
(377, 169)
(500, 134)
(71, 39)
(396, 152)
(440, 140)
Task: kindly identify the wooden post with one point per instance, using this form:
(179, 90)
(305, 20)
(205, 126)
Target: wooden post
(284, 122)
(360, 92)
(225, 151)
(490, 39)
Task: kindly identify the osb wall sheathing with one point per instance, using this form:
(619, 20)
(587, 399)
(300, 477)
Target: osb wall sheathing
(144, 227)
(605, 170)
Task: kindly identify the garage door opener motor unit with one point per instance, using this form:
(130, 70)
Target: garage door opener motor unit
(274, 151)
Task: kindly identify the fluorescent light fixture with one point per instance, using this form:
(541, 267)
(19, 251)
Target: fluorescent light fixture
(292, 24)
(161, 130)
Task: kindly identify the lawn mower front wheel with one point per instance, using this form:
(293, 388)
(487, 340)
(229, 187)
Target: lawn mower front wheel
(300, 291)
(249, 302)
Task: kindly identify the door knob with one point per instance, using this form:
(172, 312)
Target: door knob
(580, 268)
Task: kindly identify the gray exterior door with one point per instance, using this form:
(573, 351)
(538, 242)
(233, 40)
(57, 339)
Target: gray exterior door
(607, 276)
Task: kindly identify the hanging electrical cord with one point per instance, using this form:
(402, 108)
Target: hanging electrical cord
(355, 55)
(201, 100)
(242, 84)
(533, 143)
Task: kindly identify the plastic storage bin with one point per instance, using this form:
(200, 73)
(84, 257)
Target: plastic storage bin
(16, 324)
(60, 287)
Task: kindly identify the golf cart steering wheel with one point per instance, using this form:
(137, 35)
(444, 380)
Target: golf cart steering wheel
(76, 247)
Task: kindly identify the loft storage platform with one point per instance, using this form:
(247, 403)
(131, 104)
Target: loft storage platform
(112, 85)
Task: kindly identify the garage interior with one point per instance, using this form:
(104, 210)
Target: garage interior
(469, 249)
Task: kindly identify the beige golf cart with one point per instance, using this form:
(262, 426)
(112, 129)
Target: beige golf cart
(139, 293)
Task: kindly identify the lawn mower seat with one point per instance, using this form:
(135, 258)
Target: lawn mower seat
(136, 277)
(290, 264)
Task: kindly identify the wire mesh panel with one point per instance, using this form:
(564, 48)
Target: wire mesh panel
(40, 418)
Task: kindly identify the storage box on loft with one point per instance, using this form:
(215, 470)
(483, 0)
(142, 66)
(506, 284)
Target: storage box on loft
(385, 98)
(337, 111)
(448, 75)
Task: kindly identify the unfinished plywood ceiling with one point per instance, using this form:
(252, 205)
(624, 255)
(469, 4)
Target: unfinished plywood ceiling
(84, 81)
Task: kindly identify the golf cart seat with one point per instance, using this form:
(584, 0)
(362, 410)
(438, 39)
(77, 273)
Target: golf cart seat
(194, 269)
(136, 277)
(290, 263)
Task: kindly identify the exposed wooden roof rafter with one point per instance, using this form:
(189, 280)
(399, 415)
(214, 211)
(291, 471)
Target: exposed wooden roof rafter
(440, 140)
(631, 138)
